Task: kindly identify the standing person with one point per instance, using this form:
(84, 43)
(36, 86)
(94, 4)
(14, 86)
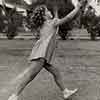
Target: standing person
(43, 50)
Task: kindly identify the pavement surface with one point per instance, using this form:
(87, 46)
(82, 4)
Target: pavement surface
(78, 61)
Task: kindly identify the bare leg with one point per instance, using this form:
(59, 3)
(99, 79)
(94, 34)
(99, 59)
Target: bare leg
(27, 76)
(56, 74)
(58, 79)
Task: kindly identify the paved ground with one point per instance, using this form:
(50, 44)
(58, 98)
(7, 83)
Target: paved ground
(78, 60)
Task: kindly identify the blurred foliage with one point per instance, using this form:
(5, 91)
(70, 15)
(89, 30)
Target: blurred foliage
(10, 21)
(63, 7)
(91, 22)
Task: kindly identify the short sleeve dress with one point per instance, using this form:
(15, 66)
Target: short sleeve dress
(45, 46)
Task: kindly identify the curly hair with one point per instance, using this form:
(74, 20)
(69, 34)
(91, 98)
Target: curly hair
(37, 18)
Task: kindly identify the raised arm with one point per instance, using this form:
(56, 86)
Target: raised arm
(69, 16)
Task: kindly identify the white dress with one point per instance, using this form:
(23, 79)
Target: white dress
(46, 45)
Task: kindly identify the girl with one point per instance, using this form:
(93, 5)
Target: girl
(43, 50)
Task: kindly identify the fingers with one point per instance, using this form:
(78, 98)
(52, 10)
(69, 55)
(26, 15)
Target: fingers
(79, 3)
(75, 2)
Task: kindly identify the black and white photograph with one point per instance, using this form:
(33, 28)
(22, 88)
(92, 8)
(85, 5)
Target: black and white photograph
(49, 49)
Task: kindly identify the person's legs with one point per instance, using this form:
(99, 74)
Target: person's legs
(56, 74)
(58, 79)
(27, 76)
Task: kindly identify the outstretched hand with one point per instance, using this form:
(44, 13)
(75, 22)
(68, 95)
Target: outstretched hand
(78, 3)
(75, 3)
